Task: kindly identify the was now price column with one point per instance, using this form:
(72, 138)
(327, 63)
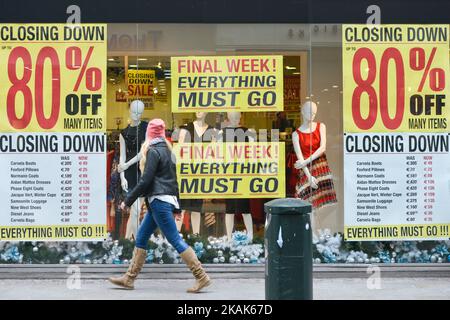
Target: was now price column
(81, 179)
(396, 134)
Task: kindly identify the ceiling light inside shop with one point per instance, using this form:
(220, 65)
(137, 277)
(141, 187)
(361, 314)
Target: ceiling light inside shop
(111, 59)
(296, 73)
(142, 59)
(133, 65)
(335, 86)
(290, 68)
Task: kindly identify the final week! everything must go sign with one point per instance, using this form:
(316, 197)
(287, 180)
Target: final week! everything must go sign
(227, 83)
(221, 84)
(396, 132)
(231, 170)
(52, 131)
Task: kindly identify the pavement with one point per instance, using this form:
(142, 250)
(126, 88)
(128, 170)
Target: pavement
(223, 289)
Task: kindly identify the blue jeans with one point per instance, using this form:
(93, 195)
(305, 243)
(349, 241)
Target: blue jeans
(160, 214)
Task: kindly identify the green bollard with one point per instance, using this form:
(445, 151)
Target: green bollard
(288, 245)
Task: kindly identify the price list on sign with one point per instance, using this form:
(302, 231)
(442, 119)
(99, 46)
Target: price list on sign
(52, 131)
(55, 188)
(396, 134)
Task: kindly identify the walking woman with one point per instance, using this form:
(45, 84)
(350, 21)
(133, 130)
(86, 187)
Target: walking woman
(158, 184)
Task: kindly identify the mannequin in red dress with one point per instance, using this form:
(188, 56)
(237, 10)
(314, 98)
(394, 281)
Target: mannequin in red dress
(315, 181)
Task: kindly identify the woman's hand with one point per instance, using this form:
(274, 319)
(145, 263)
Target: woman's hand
(177, 216)
(123, 206)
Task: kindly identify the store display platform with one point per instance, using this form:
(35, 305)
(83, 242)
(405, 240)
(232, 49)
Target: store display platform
(222, 271)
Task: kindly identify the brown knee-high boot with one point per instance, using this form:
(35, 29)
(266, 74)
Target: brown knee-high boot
(191, 260)
(127, 280)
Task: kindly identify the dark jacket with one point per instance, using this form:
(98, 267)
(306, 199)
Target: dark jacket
(159, 176)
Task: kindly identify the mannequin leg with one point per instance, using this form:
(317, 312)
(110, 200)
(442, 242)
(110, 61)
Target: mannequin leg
(180, 223)
(315, 225)
(118, 224)
(229, 224)
(132, 223)
(248, 221)
(195, 221)
(133, 220)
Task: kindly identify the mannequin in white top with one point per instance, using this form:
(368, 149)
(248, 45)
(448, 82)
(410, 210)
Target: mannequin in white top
(130, 141)
(233, 123)
(196, 131)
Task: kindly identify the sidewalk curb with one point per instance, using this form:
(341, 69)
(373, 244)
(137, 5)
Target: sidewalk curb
(223, 271)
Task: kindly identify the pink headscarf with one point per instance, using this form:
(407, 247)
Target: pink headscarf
(156, 129)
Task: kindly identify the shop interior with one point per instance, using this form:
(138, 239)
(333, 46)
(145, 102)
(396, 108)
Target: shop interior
(312, 72)
(158, 104)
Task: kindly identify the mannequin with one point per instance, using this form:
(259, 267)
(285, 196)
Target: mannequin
(130, 141)
(314, 181)
(196, 131)
(233, 132)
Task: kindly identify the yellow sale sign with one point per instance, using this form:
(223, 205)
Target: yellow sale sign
(228, 83)
(140, 83)
(231, 170)
(421, 231)
(52, 232)
(396, 141)
(395, 78)
(53, 77)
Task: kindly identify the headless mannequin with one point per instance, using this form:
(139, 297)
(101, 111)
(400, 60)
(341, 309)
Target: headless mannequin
(234, 119)
(200, 127)
(136, 111)
(308, 113)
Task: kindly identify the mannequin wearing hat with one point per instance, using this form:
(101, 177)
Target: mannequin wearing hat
(130, 140)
